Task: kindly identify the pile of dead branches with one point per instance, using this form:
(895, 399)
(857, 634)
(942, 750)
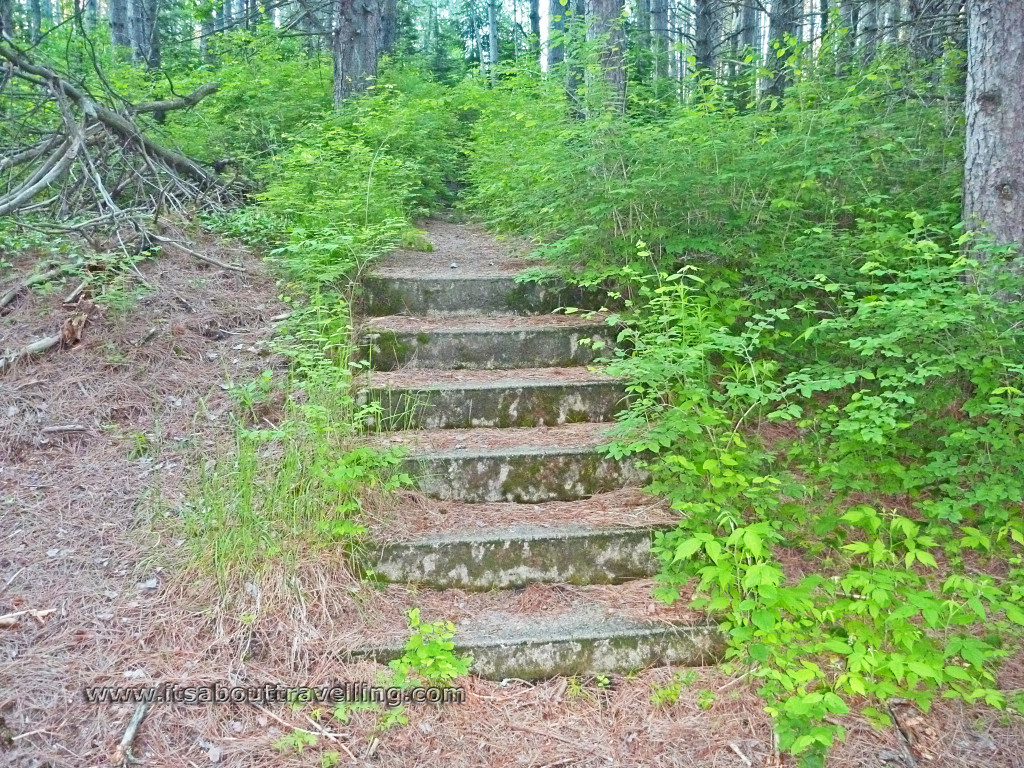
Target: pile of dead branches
(82, 161)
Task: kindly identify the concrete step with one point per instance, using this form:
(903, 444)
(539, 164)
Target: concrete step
(519, 555)
(461, 294)
(584, 640)
(525, 466)
(520, 398)
(496, 341)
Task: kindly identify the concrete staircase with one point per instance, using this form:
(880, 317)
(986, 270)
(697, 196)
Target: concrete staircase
(492, 395)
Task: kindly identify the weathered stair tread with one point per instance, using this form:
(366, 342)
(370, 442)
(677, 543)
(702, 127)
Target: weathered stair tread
(420, 380)
(458, 293)
(459, 443)
(519, 555)
(492, 341)
(499, 323)
(584, 640)
(513, 398)
(418, 516)
(526, 466)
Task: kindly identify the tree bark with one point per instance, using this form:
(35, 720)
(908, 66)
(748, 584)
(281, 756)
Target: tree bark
(643, 38)
(659, 30)
(91, 15)
(556, 31)
(707, 33)
(782, 22)
(356, 34)
(931, 23)
(994, 164)
(7, 19)
(144, 31)
(117, 14)
(750, 20)
(575, 26)
(869, 30)
(895, 21)
(492, 40)
(389, 26)
(534, 29)
(605, 29)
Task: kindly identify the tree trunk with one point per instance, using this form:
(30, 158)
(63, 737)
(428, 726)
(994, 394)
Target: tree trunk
(931, 23)
(707, 33)
(207, 31)
(643, 38)
(605, 29)
(117, 13)
(35, 21)
(575, 26)
(994, 165)
(750, 21)
(869, 30)
(895, 21)
(556, 31)
(659, 29)
(355, 43)
(534, 29)
(782, 22)
(153, 49)
(492, 40)
(7, 19)
(144, 31)
(389, 26)
(91, 15)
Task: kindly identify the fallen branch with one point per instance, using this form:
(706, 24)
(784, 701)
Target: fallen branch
(195, 254)
(37, 347)
(28, 282)
(72, 297)
(11, 620)
(94, 156)
(740, 755)
(70, 334)
(121, 754)
(182, 102)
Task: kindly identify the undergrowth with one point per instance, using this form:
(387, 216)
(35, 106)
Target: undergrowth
(826, 372)
(339, 189)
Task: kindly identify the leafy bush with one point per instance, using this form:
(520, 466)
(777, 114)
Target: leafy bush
(802, 333)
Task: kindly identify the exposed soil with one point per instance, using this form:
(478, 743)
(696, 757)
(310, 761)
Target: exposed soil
(459, 250)
(90, 528)
(415, 514)
(573, 436)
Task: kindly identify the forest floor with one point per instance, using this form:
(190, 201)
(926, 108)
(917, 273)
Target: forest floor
(92, 531)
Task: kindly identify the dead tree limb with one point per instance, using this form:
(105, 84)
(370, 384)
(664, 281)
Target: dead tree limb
(96, 157)
(37, 347)
(22, 285)
(182, 102)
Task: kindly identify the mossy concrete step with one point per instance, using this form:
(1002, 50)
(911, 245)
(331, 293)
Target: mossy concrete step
(469, 295)
(461, 399)
(496, 341)
(525, 466)
(580, 642)
(520, 555)
(521, 475)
